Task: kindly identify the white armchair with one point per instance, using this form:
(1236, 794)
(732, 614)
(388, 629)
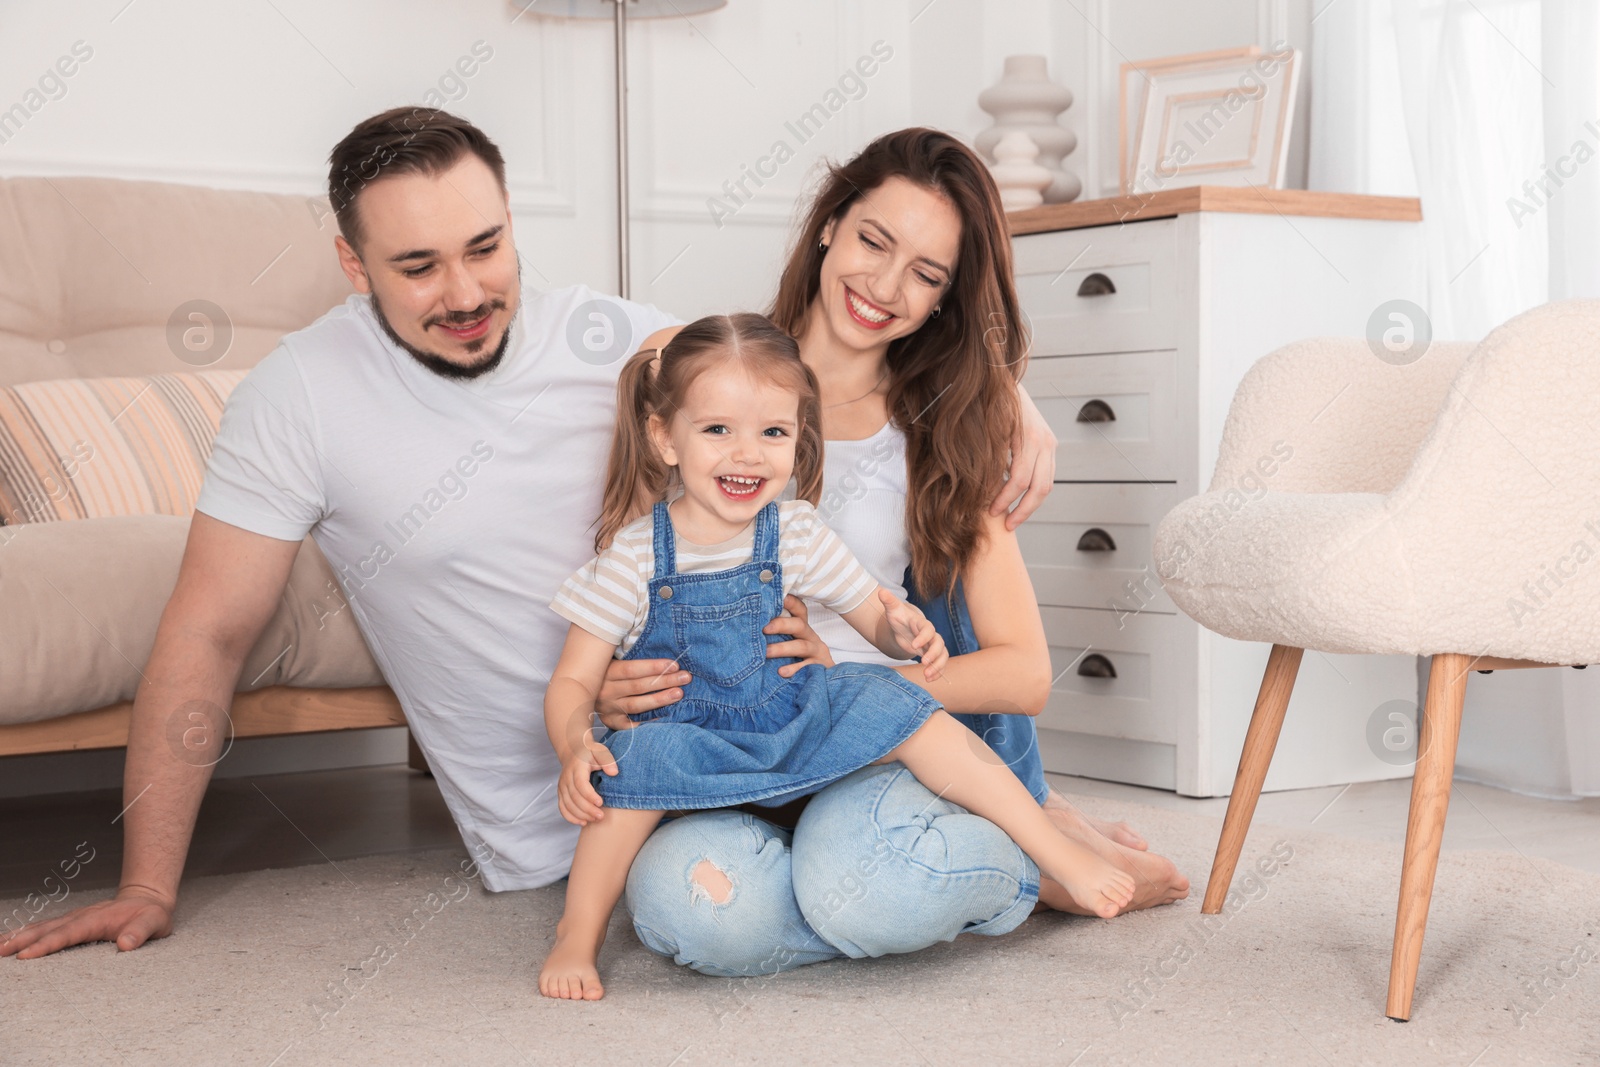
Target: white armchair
(1449, 507)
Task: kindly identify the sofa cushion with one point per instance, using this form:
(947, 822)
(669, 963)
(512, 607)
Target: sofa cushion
(97, 447)
(80, 601)
(102, 277)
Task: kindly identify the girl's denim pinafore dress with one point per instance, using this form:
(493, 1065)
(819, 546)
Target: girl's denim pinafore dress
(742, 733)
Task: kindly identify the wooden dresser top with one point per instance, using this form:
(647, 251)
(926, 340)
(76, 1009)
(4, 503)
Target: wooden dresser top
(1254, 201)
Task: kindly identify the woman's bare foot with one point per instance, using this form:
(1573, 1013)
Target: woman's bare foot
(1120, 832)
(569, 971)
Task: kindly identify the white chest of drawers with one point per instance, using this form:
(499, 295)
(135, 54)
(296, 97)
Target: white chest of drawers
(1145, 314)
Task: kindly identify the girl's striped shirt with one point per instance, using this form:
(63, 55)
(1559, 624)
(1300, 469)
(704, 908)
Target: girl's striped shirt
(609, 596)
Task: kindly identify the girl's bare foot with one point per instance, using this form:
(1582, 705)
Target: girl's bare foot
(1054, 896)
(1157, 880)
(1099, 885)
(1069, 816)
(569, 971)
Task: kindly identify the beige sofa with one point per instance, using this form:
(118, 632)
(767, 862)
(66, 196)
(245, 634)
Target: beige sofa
(108, 279)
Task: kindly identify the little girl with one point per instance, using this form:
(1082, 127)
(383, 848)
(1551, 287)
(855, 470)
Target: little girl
(728, 413)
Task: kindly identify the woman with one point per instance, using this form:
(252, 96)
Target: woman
(899, 293)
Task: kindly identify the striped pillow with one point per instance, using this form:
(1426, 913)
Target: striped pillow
(84, 448)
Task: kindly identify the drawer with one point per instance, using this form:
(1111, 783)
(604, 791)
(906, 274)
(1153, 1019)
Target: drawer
(1063, 279)
(1115, 417)
(1144, 699)
(1088, 546)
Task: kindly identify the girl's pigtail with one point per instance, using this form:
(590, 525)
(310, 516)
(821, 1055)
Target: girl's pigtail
(635, 475)
(808, 466)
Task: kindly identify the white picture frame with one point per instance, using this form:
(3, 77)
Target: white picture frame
(1134, 81)
(1212, 119)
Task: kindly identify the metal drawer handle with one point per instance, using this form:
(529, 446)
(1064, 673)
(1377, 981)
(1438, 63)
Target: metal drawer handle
(1095, 665)
(1096, 284)
(1095, 539)
(1096, 411)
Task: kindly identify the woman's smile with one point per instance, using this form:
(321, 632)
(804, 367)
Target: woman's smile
(865, 312)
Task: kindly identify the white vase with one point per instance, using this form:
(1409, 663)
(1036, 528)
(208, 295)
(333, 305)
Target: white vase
(1021, 179)
(1026, 99)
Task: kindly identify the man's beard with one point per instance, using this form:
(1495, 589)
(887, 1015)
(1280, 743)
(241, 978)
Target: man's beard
(445, 368)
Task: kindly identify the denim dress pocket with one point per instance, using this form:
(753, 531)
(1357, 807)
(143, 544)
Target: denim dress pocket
(739, 648)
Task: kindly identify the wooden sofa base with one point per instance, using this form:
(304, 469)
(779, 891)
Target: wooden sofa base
(269, 712)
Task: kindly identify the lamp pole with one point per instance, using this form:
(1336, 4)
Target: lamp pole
(620, 22)
(617, 11)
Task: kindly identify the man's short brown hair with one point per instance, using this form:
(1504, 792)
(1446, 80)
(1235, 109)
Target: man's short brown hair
(402, 140)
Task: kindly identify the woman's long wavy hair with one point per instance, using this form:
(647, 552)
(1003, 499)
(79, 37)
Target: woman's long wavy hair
(657, 384)
(952, 383)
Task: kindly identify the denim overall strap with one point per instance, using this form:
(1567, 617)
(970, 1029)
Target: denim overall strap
(665, 548)
(766, 535)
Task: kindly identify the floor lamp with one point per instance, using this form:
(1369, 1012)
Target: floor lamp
(619, 12)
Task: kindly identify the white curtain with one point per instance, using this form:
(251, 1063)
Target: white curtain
(1489, 110)
(1486, 109)
(1571, 48)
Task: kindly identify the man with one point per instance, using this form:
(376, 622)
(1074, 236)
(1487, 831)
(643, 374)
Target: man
(445, 443)
(443, 435)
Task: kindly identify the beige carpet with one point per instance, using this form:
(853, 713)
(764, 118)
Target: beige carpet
(1296, 975)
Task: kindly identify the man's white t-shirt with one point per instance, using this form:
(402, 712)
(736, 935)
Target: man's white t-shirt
(451, 511)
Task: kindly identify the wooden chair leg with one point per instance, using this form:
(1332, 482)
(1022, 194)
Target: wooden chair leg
(1277, 684)
(1430, 799)
(414, 757)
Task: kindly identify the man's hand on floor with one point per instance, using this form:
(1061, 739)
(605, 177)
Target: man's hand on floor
(135, 915)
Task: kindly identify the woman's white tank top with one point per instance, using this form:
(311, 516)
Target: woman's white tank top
(864, 501)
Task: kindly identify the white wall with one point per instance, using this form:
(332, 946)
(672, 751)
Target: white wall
(254, 95)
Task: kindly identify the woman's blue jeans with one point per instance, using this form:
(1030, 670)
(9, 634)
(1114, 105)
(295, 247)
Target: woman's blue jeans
(878, 864)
